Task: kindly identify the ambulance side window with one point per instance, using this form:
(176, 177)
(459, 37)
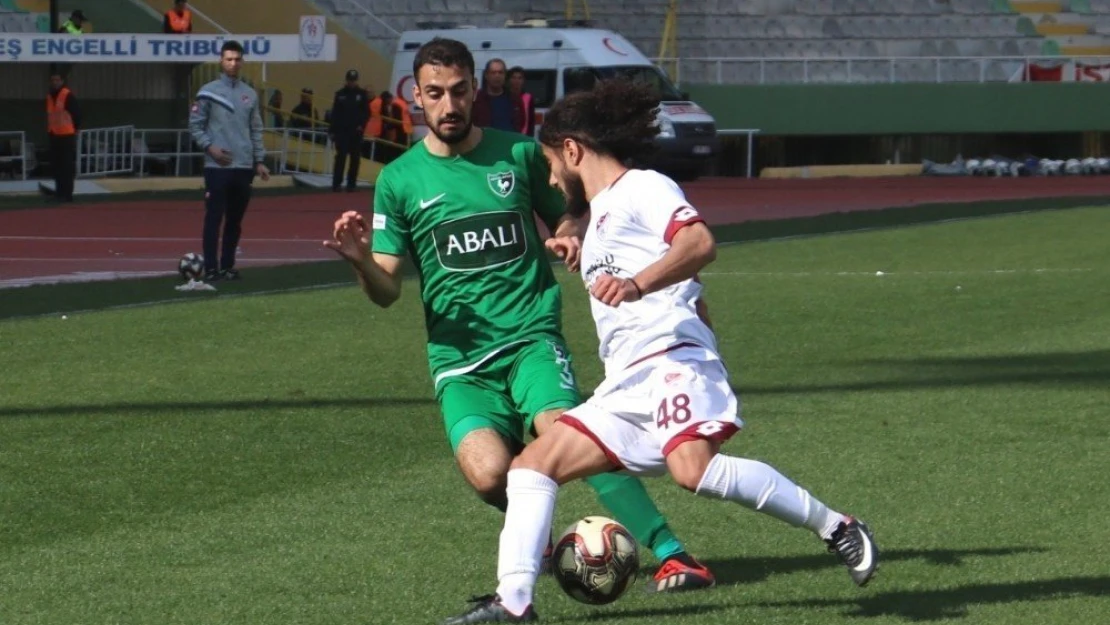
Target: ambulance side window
(541, 84)
(578, 79)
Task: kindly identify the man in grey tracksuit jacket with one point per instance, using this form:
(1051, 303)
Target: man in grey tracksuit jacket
(225, 122)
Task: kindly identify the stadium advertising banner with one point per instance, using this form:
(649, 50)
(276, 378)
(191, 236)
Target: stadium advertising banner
(1070, 71)
(310, 45)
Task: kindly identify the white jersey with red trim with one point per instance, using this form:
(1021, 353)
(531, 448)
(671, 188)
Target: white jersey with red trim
(632, 222)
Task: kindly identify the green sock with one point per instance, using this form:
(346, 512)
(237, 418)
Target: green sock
(629, 502)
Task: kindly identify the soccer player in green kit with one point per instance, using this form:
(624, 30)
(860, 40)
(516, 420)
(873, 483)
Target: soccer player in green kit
(461, 203)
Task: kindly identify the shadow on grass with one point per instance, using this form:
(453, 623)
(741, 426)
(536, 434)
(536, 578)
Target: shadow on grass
(1072, 369)
(950, 603)
(744, 570)
(156, 408)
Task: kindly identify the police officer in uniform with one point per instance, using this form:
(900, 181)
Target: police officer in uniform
(349, 113)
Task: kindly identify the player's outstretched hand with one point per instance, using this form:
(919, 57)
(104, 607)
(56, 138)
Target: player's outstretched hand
(351, 237)
(567, 248)
(614, 291)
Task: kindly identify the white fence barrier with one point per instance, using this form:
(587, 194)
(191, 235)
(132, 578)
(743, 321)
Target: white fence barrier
(16, 155)
(126, 150)
(105, 151)
(305, 151)
(871, 70)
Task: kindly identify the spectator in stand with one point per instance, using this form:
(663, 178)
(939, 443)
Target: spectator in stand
(75, 24)
(516, 88)
(494, 105)
(63, 121)
(178, 20)
(304, 115)
(275, 104)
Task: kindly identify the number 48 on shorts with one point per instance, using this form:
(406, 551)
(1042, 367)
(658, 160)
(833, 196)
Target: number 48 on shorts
(676, 410)
(693, 399)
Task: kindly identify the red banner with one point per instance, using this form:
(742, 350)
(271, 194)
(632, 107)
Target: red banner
(1066, 72)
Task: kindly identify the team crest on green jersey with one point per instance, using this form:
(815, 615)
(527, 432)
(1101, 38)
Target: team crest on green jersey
(502, 183)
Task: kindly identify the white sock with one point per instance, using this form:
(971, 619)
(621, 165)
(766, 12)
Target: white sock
(760, 487)
(524, 537)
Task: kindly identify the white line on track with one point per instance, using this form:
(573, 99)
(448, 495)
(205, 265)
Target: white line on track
(151, 239)
(137, 259)
(968, 272)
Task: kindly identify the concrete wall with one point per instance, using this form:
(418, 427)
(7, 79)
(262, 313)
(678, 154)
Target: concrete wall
(908, 108)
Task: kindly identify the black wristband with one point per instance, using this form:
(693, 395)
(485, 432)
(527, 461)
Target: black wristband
(638, 289)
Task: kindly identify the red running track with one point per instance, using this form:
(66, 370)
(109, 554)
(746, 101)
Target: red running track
(109, 240)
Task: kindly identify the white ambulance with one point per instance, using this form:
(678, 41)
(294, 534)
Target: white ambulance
(565, 59)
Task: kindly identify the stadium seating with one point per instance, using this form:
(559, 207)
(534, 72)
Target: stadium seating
(24, 16)
(825, 32)
(107, 16)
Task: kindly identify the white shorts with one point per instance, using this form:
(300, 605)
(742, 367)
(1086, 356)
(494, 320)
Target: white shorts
(675, 398)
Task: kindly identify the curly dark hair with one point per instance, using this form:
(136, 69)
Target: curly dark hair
(443, 52)
(616, 118)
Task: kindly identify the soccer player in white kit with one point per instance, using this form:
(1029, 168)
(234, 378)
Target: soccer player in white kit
(665, 405)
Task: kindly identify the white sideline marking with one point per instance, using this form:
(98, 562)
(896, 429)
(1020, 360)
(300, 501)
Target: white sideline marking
(179, 300)
(81, 276)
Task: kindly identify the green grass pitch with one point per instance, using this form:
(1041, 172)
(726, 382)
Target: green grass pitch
(279, 458)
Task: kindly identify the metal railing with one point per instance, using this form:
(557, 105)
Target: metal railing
(105, 151)
(913, 69)
(312, 151)
(13, 149)
(305, 151)
(126, 150)
(751, 133)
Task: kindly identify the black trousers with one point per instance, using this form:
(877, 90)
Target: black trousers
(227, 192)
(346, 146)
(63, 160)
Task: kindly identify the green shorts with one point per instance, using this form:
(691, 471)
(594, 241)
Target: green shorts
(507, 391)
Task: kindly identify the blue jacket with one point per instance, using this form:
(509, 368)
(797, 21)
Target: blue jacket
(227, 114)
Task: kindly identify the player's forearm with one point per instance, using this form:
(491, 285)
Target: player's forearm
(571, 227)
(378, 285)
(691, 250)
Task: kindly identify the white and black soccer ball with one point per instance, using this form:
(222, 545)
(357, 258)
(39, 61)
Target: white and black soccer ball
(595, 560)
(191, 266)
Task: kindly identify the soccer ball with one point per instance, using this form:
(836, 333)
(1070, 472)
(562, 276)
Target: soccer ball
(595, 560)
(191, 266)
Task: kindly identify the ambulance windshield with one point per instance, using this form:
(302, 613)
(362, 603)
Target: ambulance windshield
(583, 78)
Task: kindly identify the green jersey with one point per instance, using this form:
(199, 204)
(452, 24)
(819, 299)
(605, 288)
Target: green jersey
(467, 222)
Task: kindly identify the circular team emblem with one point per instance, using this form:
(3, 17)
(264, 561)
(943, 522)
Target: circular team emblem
(599, 229)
